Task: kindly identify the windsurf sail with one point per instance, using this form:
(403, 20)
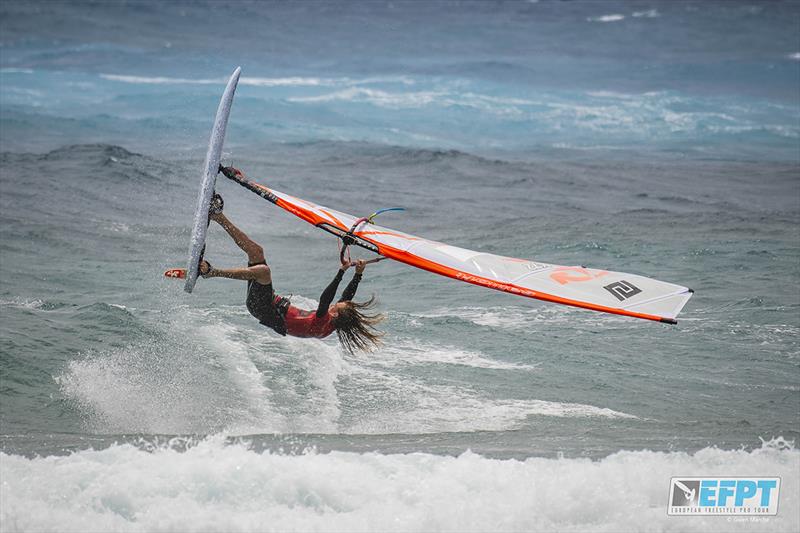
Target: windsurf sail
(599, 290)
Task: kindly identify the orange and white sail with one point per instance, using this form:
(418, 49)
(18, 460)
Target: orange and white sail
(599, 290)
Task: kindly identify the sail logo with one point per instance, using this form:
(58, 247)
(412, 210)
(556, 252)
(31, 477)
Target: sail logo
(623, 289)
(724, 496)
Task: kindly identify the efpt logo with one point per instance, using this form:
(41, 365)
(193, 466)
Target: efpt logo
(724, 496)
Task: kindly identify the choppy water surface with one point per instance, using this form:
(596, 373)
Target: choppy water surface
(643, 137)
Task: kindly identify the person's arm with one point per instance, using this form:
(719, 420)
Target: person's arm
(350, 291)
(330, 291)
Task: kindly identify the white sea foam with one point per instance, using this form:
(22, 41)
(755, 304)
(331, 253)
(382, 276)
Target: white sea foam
(515, 317)
(304, 373)
(402, 406)
(376, 97)
(122, 307)
(650, 14)
(225, 376)
(413, 352)
(208, 373)
(507, 107)
(450, 409)
(173, 384)
(654, 114)
(261, 82)
(607, 18)
(795, 56)
(611, 94)
(15, 71)
(319, 389)
(256, 408)
(32, 93)
(26, 303)
(290, 81)
(214, 487)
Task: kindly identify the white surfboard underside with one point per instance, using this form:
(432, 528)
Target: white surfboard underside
(215, 144)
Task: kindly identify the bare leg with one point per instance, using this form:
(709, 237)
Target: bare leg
(255, 253)
(259, 271)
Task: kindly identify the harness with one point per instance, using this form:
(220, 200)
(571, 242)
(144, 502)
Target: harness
(282, 305)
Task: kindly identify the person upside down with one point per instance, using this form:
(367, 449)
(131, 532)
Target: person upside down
(354, 326)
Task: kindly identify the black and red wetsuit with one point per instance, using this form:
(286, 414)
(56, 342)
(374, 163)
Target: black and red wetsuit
(277, 313)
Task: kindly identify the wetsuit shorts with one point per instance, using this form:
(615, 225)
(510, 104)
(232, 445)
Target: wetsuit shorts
(268, 308)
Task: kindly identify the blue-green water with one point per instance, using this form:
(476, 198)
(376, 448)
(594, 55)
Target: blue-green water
(665, 143)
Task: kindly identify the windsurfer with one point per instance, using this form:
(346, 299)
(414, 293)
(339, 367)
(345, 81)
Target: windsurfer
(351, 321)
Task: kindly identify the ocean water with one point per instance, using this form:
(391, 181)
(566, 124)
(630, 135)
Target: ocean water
(660, 138)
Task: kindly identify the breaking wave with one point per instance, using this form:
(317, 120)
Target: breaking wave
(210, 486)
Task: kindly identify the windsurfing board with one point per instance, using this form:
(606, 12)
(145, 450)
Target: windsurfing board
(215, 144)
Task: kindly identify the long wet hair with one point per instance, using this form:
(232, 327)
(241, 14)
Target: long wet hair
(355, 328)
